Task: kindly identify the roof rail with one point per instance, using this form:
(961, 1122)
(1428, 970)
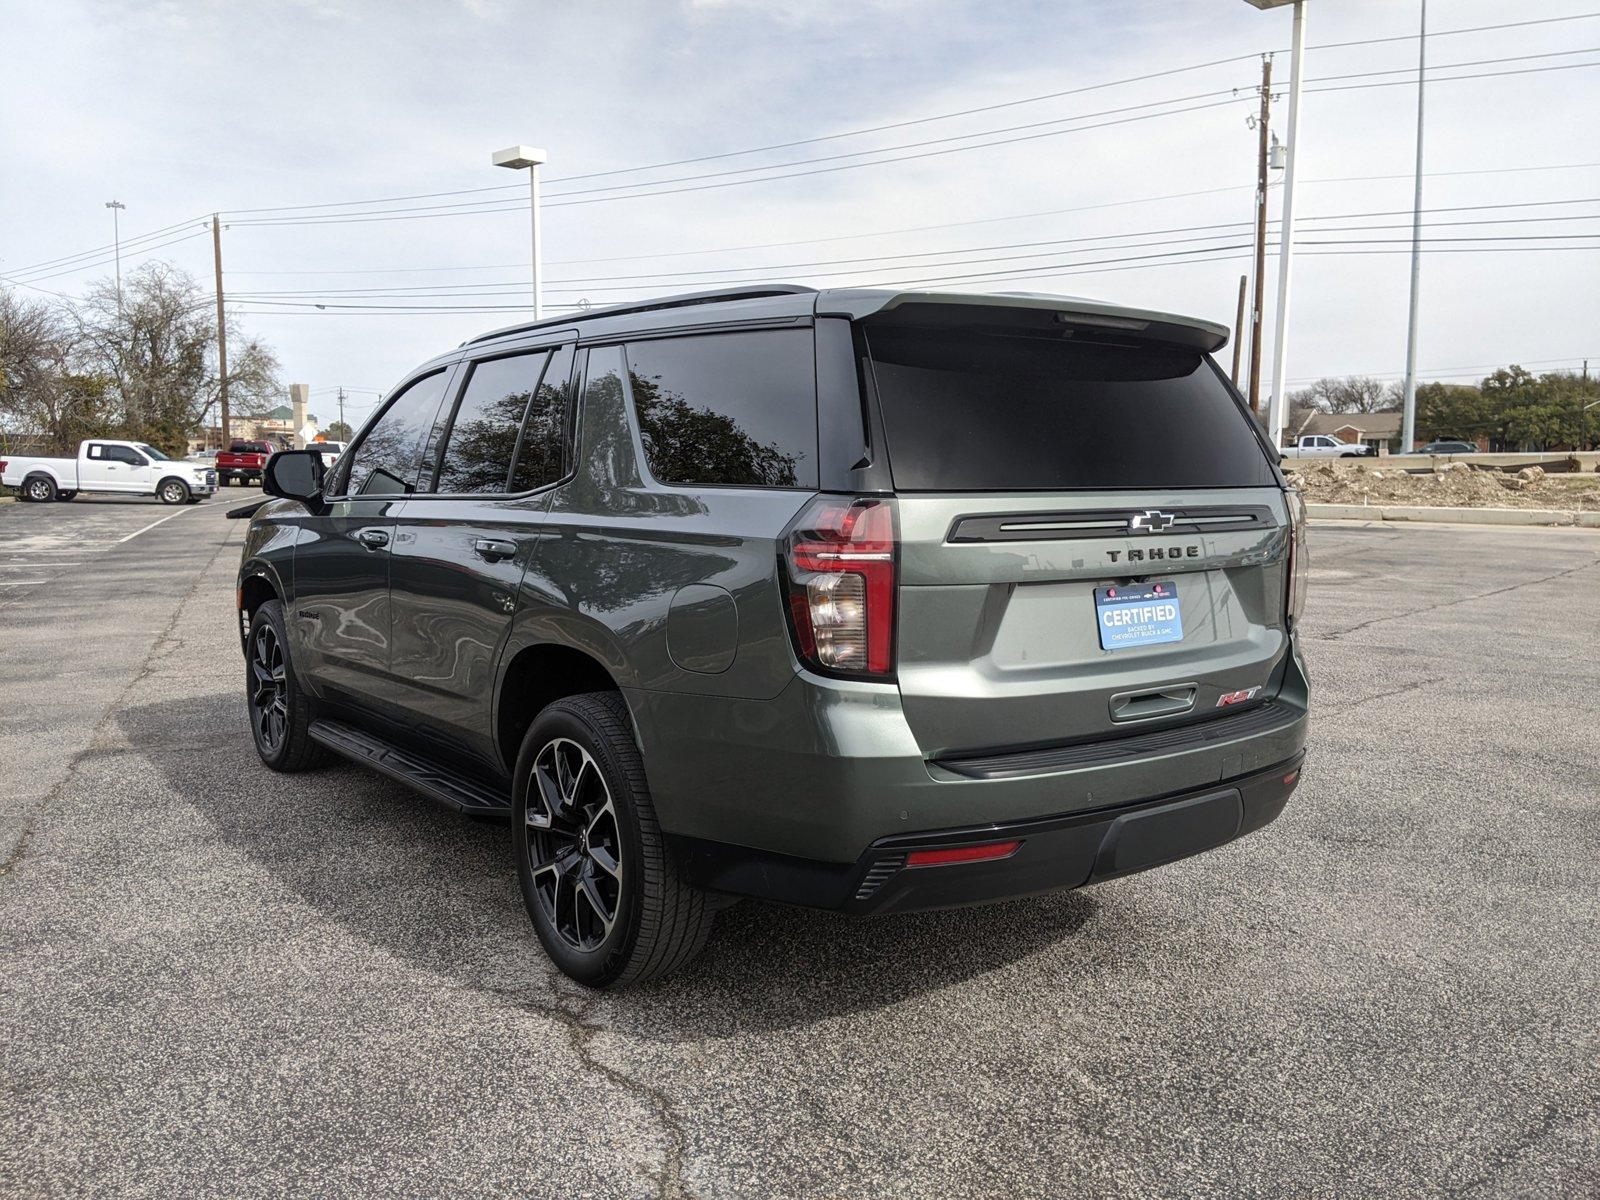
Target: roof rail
(716, 296)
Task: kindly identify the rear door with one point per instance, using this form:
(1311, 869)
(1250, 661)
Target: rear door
(461, 549)
(1092, 536)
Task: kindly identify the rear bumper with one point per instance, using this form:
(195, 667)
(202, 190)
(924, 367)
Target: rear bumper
(1066, 851)
(828, 768)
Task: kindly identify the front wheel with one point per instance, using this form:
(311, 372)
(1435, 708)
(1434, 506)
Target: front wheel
(280, 711)
(603, 894)
(173, 491)
(65, 495)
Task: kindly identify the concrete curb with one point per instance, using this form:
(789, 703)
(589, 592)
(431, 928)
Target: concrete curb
(1454, 516)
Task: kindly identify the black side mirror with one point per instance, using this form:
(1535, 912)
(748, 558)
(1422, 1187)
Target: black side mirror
(295, 475)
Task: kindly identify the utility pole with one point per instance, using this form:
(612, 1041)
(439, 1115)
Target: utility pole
(116, 207)
(1238, 329)
(222, 330)
(1408, 431)
(1278, 407)
(1261, 235)
(345, 435)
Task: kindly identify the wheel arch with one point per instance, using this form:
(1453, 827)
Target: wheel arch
(536, 674)
(188, 484)
(257, 585)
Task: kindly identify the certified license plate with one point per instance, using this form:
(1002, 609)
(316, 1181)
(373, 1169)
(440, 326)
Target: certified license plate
(1144, 614)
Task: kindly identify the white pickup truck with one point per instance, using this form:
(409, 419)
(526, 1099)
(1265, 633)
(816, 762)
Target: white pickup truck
(1321, 445)
(104, 465)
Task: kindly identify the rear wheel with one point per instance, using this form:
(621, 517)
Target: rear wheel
(603, 894)
(41, 489)
(280, 712)
(173, 491)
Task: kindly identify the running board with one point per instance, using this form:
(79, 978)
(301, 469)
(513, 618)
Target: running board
(433, 781)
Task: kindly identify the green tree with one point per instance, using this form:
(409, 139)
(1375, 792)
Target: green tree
(338, 432)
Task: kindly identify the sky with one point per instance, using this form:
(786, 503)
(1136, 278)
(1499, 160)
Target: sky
(321, 112)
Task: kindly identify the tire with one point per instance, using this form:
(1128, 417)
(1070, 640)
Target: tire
(40, 489)
(65, 495)
(280, 712)
(224, 479)
(173, 491)
(579, 759)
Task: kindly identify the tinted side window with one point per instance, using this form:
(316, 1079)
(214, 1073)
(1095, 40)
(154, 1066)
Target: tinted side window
(483, 434)
(388, 458)
(124, 454)
(732, 408)
(542, 454)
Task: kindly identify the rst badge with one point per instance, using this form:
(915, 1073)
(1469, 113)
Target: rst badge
(1231, 698)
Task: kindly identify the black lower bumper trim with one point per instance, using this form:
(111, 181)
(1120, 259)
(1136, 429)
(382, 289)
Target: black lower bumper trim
(1066, 851)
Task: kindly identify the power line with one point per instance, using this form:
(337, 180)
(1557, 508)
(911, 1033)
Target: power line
(909, 122)
(772, 268)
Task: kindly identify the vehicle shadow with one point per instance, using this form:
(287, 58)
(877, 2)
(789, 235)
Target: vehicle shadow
(437, 890)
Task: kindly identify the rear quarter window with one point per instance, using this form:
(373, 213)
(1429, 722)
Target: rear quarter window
(988, 410)
(730, 409)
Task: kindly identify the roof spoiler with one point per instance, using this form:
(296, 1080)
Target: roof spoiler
(1067, 310)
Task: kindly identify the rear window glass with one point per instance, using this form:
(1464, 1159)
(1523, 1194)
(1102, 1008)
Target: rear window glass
(985, 410)
(731, 409)
(483, 436)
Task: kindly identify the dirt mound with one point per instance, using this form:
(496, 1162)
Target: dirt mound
(1455, 485)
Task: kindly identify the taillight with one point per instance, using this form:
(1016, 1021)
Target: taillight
(1299, 556)
(3, 465)
(840, 572)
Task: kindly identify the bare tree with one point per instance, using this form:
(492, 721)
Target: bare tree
(41, 397)
(158, 350)
(1352, 394)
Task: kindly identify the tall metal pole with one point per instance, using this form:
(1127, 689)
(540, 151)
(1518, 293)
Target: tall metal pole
(116, 207)
(533, 199)
(222, 329)
(1261, 236)
(1238, 329)
(1278, 408)
(1408, 431)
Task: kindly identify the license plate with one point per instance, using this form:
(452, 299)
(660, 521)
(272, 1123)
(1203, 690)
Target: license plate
(1145, 614)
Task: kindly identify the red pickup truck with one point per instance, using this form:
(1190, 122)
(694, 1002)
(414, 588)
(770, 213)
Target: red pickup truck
(243, 461)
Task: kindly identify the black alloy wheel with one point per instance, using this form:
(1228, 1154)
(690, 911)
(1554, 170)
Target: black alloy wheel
(269, 689)
(574, 845)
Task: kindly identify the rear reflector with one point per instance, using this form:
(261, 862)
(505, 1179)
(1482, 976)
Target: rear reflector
(1289, 779)
(961, 854)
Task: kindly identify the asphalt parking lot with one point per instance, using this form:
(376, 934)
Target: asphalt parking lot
(222, 982)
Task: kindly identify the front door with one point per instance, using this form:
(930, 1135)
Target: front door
(339, 625)
(460, 551)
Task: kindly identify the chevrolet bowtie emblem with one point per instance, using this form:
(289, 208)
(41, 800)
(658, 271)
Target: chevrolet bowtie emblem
(1151, 520)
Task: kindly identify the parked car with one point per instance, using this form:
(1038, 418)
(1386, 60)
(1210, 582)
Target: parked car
(104, 465)
(1448, 448)
(244, 461)
(865, 600)
(330, 451)
(205, 457)
(1321, 445)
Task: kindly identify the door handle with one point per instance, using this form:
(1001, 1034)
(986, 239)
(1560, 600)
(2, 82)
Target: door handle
(494, 550)
(373, 539)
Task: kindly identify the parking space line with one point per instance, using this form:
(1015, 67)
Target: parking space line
(151, 526)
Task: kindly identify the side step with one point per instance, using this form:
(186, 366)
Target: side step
(435, 782)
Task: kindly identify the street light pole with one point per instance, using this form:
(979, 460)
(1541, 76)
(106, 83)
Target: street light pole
(116, 207)
(1408, 432)
(516, 158)
(1278, 404)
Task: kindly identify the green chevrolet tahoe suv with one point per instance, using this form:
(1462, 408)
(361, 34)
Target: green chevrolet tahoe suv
(869, 600)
